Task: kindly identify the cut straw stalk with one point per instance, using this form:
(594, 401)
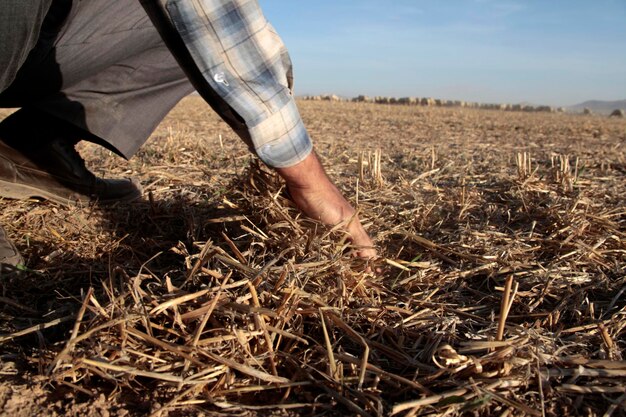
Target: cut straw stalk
(245, 369)
(177, 399)
(592, 389)
(607, 339)
(505, 306)
(205, 319)
(433, 399)
(379, 372)
(580, 371)
(176, 301)
(329, 348)
(33, 329)
(466, 392)
(68, 346)
(127, 370)
(262, 327)
(356, 337)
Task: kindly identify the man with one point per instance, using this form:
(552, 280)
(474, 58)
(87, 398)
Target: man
(109, 71)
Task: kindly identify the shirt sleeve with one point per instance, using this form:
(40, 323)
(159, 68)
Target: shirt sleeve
(239, 57)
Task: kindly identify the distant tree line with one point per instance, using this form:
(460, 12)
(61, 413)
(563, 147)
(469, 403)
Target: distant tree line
(435, 102)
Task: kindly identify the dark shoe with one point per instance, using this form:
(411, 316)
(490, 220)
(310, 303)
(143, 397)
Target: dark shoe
(10, 258)
(36, 162)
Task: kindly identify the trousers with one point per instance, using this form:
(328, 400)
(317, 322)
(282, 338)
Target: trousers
(99, 65)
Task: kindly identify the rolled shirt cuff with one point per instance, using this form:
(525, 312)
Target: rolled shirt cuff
(281, 140)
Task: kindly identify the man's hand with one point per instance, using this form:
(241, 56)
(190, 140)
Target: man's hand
(318, 198)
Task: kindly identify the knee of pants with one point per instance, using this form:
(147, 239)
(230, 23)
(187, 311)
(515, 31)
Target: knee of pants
(20, 28)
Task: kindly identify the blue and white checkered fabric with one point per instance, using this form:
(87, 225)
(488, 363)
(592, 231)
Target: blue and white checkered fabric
(242, 58)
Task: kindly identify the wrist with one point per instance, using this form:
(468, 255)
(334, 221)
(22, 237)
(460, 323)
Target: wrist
(308, 174)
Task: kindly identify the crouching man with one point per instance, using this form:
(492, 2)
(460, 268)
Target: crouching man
(109, 72)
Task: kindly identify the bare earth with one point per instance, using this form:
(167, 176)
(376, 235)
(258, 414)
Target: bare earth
(502, 292)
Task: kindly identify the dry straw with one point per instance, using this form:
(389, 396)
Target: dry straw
(501, 291)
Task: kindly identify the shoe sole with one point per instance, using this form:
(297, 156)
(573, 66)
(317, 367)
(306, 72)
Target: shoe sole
(15, 191)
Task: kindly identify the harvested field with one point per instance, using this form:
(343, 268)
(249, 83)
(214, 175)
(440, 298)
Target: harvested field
(502, 291)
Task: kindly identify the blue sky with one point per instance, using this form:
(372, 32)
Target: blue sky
(554, 52)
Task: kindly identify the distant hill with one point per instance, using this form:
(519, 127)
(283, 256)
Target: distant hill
(597, 106)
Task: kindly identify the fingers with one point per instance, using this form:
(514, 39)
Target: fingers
(317, 197)
(367, 254)
(361, 240)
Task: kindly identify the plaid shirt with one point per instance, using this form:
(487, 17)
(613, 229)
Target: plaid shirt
(239, 60)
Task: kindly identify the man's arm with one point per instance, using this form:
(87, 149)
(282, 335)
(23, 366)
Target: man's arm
(317, 197)
(239, 65)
